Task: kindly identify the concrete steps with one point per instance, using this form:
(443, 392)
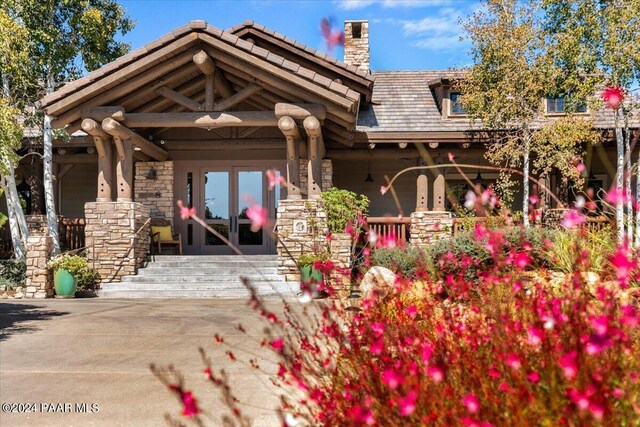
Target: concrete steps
(202, 277)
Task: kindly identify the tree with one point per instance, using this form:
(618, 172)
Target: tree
(13, 60)
(65, 38)
(504, 86)
(594, 44)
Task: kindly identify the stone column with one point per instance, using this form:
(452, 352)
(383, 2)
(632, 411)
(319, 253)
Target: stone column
(428, 227)
(327, 175)
(39, 248)
(156, 194)
(113, 247)
(340, 249)
(301, 227)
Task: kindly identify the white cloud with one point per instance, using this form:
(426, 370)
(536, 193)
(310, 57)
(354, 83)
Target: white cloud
(439, 32)
(361, 4)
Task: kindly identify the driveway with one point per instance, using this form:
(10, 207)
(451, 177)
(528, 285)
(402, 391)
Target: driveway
(97, 352)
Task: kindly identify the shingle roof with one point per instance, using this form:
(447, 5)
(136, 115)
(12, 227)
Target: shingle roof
(403, 102)
(297, 45)
(203, 27)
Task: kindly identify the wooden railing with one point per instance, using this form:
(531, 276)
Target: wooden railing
(71, 232)
(598, 223)
(390, 226)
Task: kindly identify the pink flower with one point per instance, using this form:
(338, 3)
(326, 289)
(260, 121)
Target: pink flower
(521, 260)
(613, 96)
(377, 328)
(615, 196)
(628, 316)
(600, 324)
(407, 404)
(470, 401)
(535, 336)
(622, 264)
(569, 365)
(580, 399)
(277, 344)
(534, 199)
(436, 374)
(185, 211)
(427, 352)
(534, 377)
(189, 403)
(274, 178)
(513, 361)
(572, 219)
(332, 36)
(391, 378)
(383, 190)
(258, 216)
(377, 346)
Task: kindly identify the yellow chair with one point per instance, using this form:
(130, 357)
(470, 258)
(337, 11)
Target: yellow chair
(162, 235)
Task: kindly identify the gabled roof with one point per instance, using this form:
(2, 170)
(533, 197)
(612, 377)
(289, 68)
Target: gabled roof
(310, 56)
(172, 52)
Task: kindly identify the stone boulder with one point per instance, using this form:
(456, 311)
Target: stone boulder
(377, 279)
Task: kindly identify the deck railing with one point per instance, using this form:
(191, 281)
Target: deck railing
(385, 226)
(71, 232)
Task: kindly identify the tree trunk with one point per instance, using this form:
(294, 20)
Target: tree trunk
(619, 179)
(636, 138)
(17, 239)
(525, 177)
(627, 181)
(49, 196)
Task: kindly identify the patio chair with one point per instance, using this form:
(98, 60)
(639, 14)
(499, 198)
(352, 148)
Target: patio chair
(162, 235)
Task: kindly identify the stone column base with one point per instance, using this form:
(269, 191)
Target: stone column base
(430, 226)
(39, 249)
(301, 226)
(113, 247)
(340, 249)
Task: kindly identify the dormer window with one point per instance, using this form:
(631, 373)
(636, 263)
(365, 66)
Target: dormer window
(558, 106)
(456, 106)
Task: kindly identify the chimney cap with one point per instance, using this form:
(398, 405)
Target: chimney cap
(356, 20)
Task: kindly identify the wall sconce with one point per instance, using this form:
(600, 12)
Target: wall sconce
(152, 174)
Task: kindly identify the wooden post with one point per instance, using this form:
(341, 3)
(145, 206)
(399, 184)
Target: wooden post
(105, 169)
(422, 196)
(209, 93)
(290, 130)
(438, 192)
(314, 133)
(124, 169)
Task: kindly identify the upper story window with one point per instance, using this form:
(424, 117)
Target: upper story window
(456, 106)
(558, 106)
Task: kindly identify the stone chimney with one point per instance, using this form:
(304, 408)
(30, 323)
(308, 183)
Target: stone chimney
(356, 44)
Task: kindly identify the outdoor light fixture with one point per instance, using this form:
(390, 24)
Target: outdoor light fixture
(153, 174)
(402, 145)
(369, 178)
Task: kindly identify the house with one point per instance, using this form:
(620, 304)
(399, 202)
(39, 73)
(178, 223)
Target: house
(201, 114)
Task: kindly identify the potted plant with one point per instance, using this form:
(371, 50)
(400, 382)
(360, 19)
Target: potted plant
(310, 274)
(70, 273)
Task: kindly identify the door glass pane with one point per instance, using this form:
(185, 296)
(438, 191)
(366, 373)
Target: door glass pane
(249, 191)
(211, 239)
(216, 195)
(248, 237)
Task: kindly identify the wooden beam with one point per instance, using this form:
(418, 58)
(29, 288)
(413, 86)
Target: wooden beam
(301, 111)
(314, 134)
(226, 144)
(248, 131)
(314, 129)
(93, 128)
(124, 169)
(64, 171)
(209, 92)
(291, 132)
(101, 113)
(179, 98)
(73, 127)
(105, 169)
(203, 120)
(121, 131)
(204, 63)
(245, 93)
(113, 87)
(75, 158)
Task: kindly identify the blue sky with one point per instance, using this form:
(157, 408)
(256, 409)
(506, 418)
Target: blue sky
(405, 34)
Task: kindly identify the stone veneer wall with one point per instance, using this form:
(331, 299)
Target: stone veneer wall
(356, 51)
(39, 248)
(327, 175)
(429, 226)
(340, 249)
(112, 245)
(301, 228)
(156, 194)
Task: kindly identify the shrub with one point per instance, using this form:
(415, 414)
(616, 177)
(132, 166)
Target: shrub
(344, 208)
(79, 267)
(569, 249)
(13, 273)
(408, 262)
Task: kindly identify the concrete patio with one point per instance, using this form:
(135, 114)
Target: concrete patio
(98, 351)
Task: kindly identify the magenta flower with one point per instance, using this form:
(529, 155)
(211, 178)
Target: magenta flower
(569, 365)
(513, 361)
(572, 219)
(615, 196)
(535, 336)
(407, 404)
(534, 377)
(377, 328)
(383, 190)
(189, 403)
(391, 378)
(332, 37)
(521, 260)
(622, 264)
(185, 211)
(613, 96)
(274, 178)
(436, 374)
(277, 344)
(629, 317)
(600, 324)
(258, 216)
(470, 401)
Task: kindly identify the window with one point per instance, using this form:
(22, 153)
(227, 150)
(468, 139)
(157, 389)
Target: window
(456, 107)
(558, 105)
